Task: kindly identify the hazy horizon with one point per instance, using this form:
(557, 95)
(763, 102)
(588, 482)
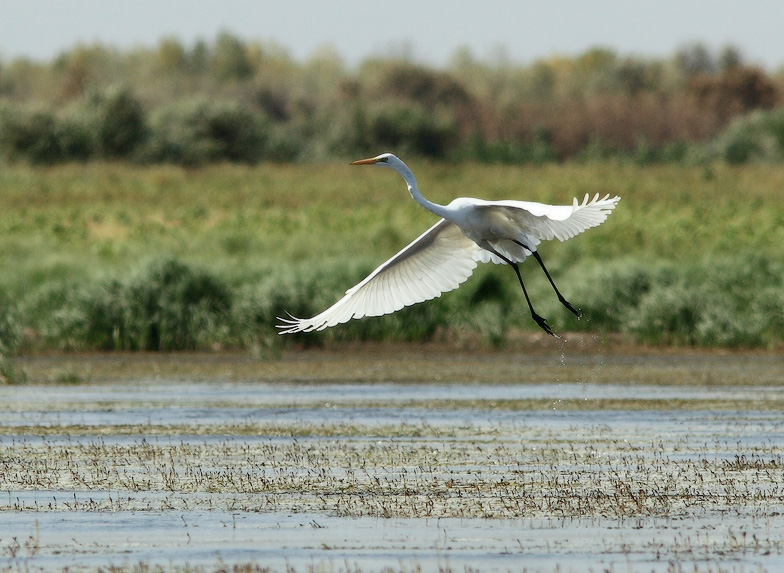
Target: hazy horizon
(426, 31)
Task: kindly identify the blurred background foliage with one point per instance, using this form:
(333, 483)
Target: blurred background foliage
(238, 101)
(150, 199)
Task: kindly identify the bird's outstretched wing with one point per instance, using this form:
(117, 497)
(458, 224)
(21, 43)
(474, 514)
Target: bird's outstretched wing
(537, 222)
(438, 261)
(547, 222)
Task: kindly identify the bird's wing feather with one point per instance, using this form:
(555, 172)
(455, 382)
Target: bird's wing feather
(438, 261)
(547, 222)
(537, 222)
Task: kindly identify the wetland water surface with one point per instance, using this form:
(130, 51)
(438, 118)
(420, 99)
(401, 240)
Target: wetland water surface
(210, 470)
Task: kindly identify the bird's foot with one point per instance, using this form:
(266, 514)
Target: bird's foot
(542, 322)
(570, 307)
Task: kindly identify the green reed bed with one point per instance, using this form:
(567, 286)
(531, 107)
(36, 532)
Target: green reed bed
(113, 256)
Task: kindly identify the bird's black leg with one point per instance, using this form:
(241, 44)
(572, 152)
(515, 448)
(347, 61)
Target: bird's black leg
(549, 278)
(541, 321)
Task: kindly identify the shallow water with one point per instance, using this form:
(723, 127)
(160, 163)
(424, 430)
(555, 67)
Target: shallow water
(301, 541)
(205, 403)
(368, 476)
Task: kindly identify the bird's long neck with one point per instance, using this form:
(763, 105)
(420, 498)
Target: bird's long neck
(411, 182)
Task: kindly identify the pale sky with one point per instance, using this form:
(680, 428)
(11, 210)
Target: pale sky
(432, 30)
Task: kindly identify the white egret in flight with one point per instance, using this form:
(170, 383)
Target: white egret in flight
(470, 231)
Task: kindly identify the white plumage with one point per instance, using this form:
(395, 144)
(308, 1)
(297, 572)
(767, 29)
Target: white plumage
(470, 231)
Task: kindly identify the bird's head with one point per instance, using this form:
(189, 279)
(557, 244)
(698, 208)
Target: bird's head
(392, 162)
(383, 160)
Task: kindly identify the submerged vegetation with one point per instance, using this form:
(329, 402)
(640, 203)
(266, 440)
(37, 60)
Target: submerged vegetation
(314, 471)
(109, 256)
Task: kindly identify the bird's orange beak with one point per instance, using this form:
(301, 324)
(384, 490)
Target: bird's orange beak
(369, 161)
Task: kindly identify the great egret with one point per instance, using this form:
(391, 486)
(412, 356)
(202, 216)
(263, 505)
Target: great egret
(469, 231)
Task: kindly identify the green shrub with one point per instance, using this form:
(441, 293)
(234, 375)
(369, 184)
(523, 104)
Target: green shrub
(738, 293)
(733, 301)
(258, 304)
(76, 135)
(166, 305)
(10, 326)
(90, 317)
(196, 132)
(10, 342)
(409, 128)
(758, 136)
(29, 134)
(113, 125)
(283, 145)
(229, 58)
(667, 315)
(766, 313)
(170, 306)
(121, 123)
(607, 294)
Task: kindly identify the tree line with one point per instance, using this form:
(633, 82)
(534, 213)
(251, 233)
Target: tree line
(239, 101)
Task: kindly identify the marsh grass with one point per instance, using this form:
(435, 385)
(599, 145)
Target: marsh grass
(112, 256)
(410, 471)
